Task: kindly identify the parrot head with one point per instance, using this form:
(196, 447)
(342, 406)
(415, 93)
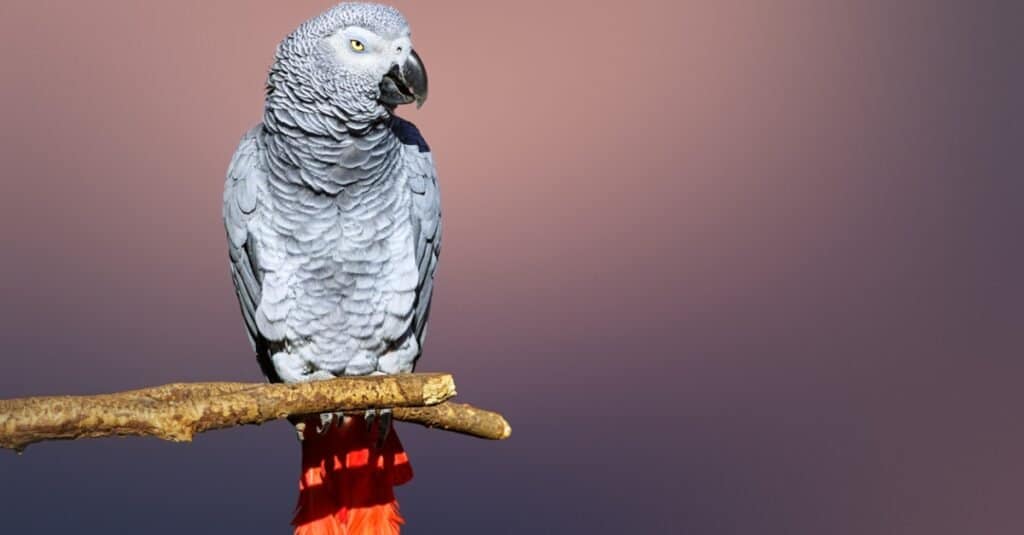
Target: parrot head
(357, 57)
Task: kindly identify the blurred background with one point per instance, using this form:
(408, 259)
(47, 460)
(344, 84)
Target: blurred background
(727, 267)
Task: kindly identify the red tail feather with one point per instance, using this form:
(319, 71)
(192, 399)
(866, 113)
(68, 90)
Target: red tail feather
(346, 483)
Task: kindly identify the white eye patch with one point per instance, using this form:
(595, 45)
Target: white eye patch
(354, 40)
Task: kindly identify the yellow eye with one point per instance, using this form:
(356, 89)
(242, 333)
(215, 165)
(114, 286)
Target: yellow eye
(357, 45)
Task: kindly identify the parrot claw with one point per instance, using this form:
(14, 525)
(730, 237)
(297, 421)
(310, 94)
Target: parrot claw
(326, 420)
(383, 419)
(329, 419)
(300, 429)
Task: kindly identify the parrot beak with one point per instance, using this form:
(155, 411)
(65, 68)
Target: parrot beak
(405, 84)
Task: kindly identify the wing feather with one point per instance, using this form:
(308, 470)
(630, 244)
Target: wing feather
(425, 218)
(245, 182)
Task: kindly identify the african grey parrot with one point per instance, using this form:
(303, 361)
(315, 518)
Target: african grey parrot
(333, 219)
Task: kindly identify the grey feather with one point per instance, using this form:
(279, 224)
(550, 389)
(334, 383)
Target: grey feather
(246, 177)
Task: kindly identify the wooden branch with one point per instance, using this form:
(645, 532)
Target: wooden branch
(457, 417)
(177, 411)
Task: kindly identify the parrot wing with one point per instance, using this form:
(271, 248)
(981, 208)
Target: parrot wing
(425, 217)
(243, 187)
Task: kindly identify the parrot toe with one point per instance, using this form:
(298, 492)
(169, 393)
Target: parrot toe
(383, 419)
(329, 419)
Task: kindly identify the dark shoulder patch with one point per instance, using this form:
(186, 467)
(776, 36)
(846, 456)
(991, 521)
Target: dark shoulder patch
(408, 134)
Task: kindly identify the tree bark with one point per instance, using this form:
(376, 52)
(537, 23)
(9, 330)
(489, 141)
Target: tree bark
(457, 417)
(178, 411)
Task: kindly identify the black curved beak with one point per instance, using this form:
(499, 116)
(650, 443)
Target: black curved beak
(405, 84)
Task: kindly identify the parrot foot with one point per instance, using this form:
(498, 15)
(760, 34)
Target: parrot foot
(383, 419)
(327, 420)
(330, 419)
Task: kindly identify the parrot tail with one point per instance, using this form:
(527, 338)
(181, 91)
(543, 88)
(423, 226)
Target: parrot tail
(347, 480)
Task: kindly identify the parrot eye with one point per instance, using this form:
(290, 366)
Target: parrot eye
(356, 45)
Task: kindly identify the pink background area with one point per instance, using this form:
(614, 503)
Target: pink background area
(728, 267)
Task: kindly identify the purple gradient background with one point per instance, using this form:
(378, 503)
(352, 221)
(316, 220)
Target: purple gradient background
(728, 267)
